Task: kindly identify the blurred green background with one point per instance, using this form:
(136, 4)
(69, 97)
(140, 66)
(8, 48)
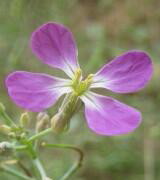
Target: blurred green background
(102, 29)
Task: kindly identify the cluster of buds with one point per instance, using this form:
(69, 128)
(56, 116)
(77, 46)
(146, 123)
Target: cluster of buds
(11, 129)
(59, 122)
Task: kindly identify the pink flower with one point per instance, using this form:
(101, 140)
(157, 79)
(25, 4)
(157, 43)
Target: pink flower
(54, 45)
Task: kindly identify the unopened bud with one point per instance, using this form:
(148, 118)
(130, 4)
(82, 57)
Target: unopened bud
(5, 147)
(23, 135)
(42, 121)
(12, 135)
(2, 107)
(59, 122)
(24, 119)
(4, 129)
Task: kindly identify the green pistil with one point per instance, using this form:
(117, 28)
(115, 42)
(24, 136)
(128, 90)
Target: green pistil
(81, 86)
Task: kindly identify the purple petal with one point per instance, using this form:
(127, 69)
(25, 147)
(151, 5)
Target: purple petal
(126, 73)
(54, 45)
(107, 116)
(35, 91)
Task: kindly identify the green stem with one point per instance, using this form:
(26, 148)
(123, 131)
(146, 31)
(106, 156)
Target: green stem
(21, 147)
(7, 119)
(69, 173)
(24, 168)
(36, 160)
(15, 173)
(40, 168)
(29, 147)
(40, 134)
(76, 165)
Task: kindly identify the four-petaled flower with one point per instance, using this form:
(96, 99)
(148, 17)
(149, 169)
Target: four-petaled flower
(54, 45)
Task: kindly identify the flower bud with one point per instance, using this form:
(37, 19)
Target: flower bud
(4, 129)
(42, 121)
(24, 119)
(23, 135)
(5, 148)
(61, 120)
(12, 135)
(58, 122)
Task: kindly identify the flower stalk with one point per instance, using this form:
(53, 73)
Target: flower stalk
(40, 169)
(5, 116)
(40, 134)
(15, 173)
(76, 165)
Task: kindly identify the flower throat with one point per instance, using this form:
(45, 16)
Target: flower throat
(80, 86)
